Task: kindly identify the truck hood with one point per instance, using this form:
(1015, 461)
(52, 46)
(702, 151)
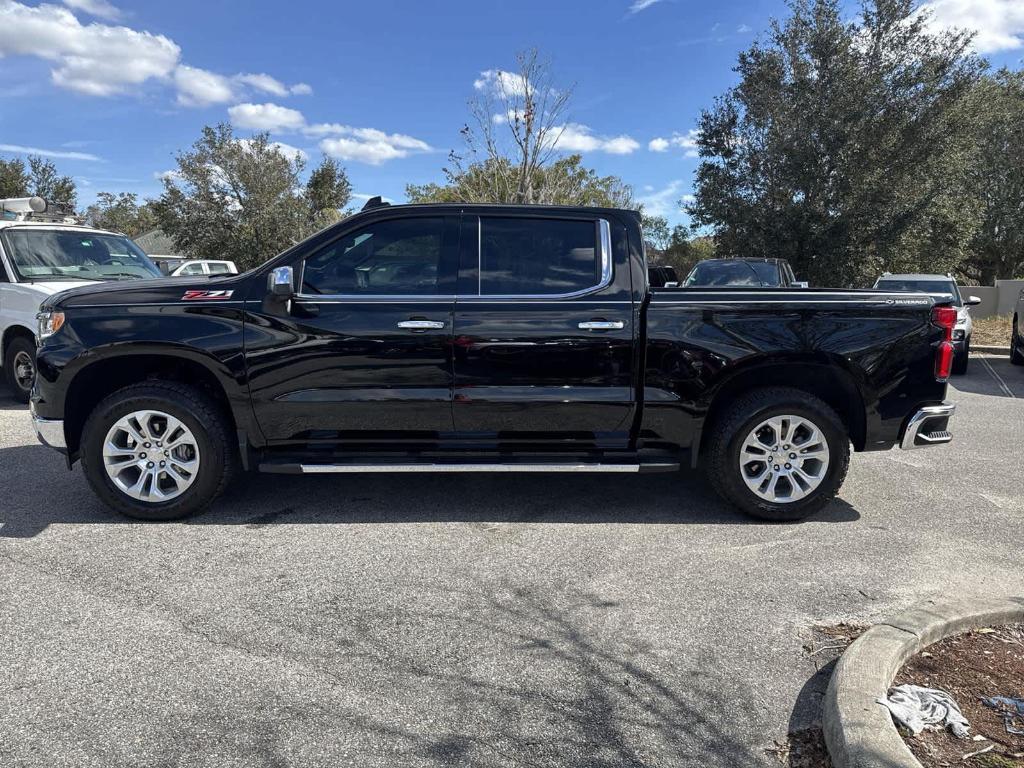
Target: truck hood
(160, 290)
(48, 288)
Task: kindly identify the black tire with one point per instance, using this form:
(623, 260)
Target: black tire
(960, 361)
(746, 413)
(1016, 345)
(14, 359)
(197, 412)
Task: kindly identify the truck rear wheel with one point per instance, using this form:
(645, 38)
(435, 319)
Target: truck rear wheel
(157, 451)
(779, 454)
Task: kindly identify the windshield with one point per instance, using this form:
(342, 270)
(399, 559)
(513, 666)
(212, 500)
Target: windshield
(922, 286)
(52, 254)
(735, 272)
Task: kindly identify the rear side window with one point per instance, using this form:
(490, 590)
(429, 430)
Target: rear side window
(219, 269)
(538, 257)
(395, 257)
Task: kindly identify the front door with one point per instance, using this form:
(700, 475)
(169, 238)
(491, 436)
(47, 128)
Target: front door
(363, 352)
(544, 333)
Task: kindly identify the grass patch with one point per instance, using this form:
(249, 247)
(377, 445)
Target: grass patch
(994, 331)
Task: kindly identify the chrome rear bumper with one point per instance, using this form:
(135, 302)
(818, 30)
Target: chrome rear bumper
(929, 426)
(49, 431)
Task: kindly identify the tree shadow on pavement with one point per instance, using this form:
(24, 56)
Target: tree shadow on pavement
(39, 491)
(512, 679)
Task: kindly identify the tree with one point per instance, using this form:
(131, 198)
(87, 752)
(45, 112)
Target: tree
(13, 179)
(842, 147)
(121, 213)
(328, 192)
(511, 153)
(242, 199)
(45, 181)
(41, 178)
(995, 179)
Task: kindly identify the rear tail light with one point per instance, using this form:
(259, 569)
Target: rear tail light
(945, 318)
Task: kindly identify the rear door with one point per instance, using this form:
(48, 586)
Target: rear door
(544, 331)
(363, 352)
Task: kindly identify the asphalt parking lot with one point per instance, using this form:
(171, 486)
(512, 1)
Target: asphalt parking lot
(472, 620)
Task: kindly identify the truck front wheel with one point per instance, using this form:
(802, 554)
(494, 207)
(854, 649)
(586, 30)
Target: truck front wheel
(157, 451)
(20, 367)
(778, 454)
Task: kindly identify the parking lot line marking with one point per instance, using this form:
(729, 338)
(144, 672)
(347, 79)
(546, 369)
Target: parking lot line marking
(999, 379)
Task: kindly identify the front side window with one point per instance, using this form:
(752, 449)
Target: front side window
(192, 269)
(41, 254)
(396, 257)
(530, 257)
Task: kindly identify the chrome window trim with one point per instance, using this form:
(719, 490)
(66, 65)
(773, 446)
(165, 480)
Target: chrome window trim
(604, 241)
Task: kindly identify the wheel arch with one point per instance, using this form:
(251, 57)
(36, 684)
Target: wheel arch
(11, 333)
(113, 372)
(829, 379)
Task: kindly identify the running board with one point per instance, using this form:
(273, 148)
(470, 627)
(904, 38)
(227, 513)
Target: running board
(321, 469)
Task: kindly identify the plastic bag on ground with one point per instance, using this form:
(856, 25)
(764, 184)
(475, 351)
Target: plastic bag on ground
(918, 708)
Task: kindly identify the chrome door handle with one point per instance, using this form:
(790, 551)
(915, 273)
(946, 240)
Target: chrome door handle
(421, 325)
(602, 325)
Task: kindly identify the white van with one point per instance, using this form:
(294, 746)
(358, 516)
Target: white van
(44, 250)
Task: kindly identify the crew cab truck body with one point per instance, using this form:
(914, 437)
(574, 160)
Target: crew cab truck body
(481, 338)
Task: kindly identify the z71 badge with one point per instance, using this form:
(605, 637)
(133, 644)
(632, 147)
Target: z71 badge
(206, 295)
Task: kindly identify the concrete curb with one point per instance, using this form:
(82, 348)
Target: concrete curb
(991, 349)
(859, 732)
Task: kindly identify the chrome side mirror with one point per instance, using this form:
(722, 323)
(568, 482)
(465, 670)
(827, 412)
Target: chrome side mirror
(972, 301)
(280, 283)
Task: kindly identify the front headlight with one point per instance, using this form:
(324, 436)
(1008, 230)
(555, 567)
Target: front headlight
(49, 323)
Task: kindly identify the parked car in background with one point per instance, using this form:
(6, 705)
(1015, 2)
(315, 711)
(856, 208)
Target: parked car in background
(662, 277)
(940, 285)
(197, 267)
(482, 338)
(1017, 332)
(167, 264)
(763, 273)
(43, 250)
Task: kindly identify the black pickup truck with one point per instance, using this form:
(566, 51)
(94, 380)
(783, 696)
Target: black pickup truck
(465, 338)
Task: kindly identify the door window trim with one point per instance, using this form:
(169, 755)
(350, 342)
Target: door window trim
(604, 242)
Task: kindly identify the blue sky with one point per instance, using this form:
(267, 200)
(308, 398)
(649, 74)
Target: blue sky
(112, 90)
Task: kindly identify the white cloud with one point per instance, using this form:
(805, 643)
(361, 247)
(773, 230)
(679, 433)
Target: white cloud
(998, 24)
(501, 83)
(105, 60)
(344, 142)
(685, 141)
(642, 5)
(574, 137)
(60, 154)
(301, 89)
(369, 145)
(266, 117)
(171, 175)
(265, 83)
(200, 87)
(101, 9)
(665, 201)
(96, 59)
(743, 29)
